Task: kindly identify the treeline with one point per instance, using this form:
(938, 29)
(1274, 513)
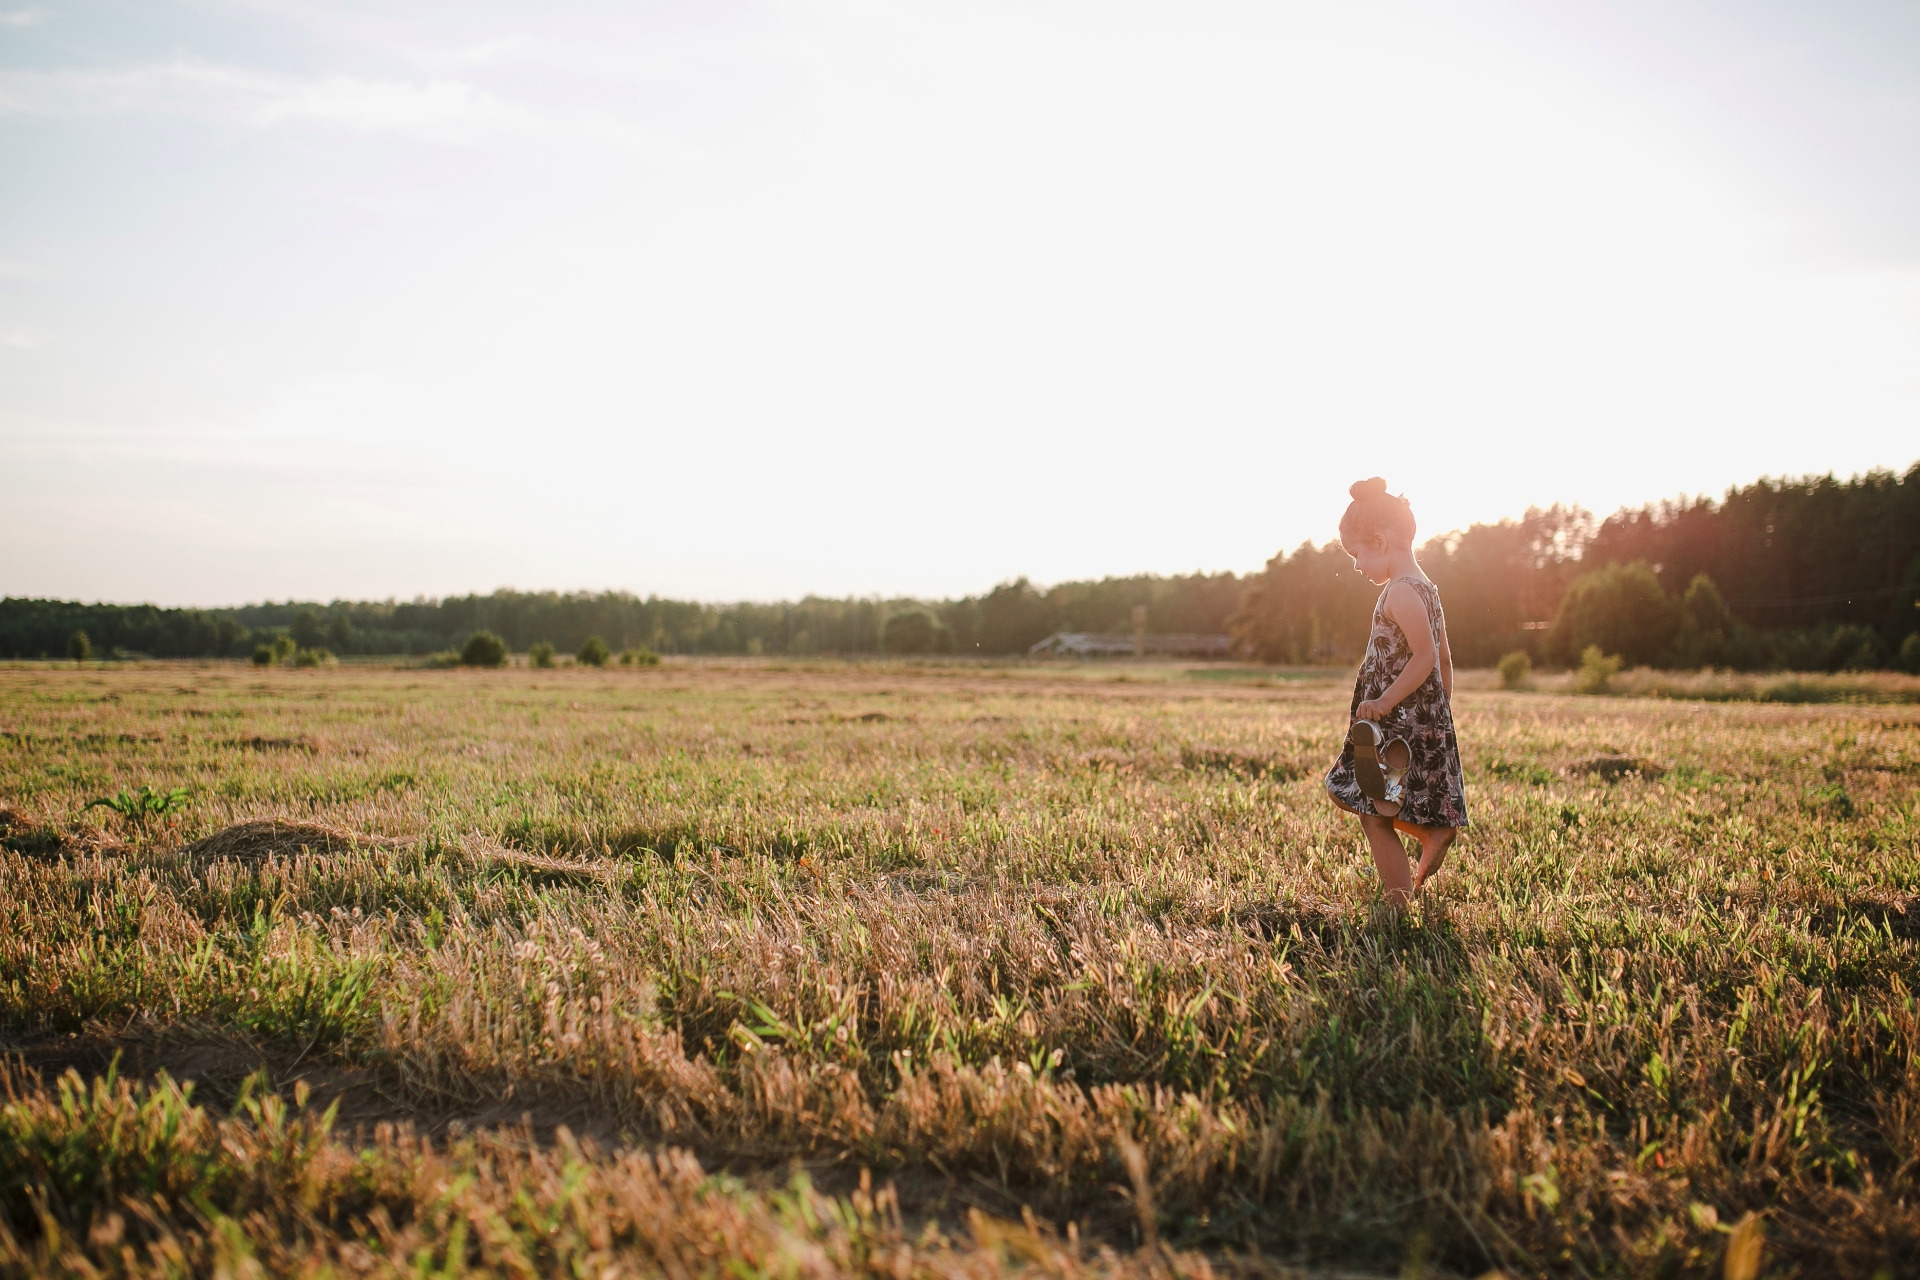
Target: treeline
(1006, 620)
(1808, 574)
(1803, 573)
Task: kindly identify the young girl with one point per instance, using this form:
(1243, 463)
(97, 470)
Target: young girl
(1400, 769)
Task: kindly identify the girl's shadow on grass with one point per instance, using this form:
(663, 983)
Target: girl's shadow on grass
(1395, 1014)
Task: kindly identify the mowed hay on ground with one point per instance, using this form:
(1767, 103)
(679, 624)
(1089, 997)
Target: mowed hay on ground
(1079, 964)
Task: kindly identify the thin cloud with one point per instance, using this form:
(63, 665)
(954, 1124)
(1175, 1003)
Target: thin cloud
(443, 111)
(447, 112)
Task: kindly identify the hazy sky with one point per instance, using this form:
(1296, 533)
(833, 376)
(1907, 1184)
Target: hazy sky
(741, 300)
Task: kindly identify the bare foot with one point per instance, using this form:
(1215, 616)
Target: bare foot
(1432, 856)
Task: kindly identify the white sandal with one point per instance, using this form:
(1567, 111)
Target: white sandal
(1380, 766)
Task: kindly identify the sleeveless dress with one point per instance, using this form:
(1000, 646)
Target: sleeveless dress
(1436, 792)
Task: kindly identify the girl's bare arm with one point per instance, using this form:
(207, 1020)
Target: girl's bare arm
(1411, 615)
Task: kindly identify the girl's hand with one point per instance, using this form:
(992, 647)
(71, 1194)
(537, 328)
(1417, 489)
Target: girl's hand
(1372, 709)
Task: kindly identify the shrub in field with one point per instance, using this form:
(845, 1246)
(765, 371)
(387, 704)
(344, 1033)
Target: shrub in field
(262, 655)
(594, 653)
(283, 648)
(442, 660)
(1910, 653)
(79, 647)
(1514, 670)
(540, 654)
(483, 649)
(314, 658)
(641, 657)
(1596, 668)
(1620, 608)
(915, 631)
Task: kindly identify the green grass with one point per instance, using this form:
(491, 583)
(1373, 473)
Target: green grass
(1080, 970)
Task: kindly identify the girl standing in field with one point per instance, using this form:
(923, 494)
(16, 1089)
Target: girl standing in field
(1399, 771)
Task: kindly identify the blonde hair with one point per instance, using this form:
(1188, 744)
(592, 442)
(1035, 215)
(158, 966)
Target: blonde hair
(1374, 510)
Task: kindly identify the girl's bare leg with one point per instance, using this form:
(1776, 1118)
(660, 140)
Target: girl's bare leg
(1434, 842)
(1390, 858)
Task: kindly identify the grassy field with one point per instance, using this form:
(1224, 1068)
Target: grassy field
(742, 969)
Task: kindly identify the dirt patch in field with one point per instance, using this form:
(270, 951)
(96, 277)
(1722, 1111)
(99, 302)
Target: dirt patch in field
(1612, 768)
(1110, 760)
(309, 746)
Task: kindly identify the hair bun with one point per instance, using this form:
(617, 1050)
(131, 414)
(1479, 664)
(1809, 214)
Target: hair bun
(1363, 489)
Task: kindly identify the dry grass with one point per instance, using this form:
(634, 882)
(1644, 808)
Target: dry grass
(1084, 943)
(274, 838)
(1791, 687)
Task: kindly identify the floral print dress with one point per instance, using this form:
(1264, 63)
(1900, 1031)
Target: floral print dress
(1436, 794)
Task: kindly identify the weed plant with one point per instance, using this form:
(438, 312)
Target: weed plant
(1082, 968)
(137, 806)
(1596, 670)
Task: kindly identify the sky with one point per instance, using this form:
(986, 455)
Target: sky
(736, 300)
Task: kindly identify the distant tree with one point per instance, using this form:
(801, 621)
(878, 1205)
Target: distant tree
(540, 654)
(1705, 625)
(309, 632)
(79, 647)
(1306, 607)
(483, 649)
(1012, 618)
(1796, 559)
(262, 655)
(1910, 653)
(1499, 579)
(594, 653)
(1792, 552)
(1621, 610)
(1515, 668)
(914, 631)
